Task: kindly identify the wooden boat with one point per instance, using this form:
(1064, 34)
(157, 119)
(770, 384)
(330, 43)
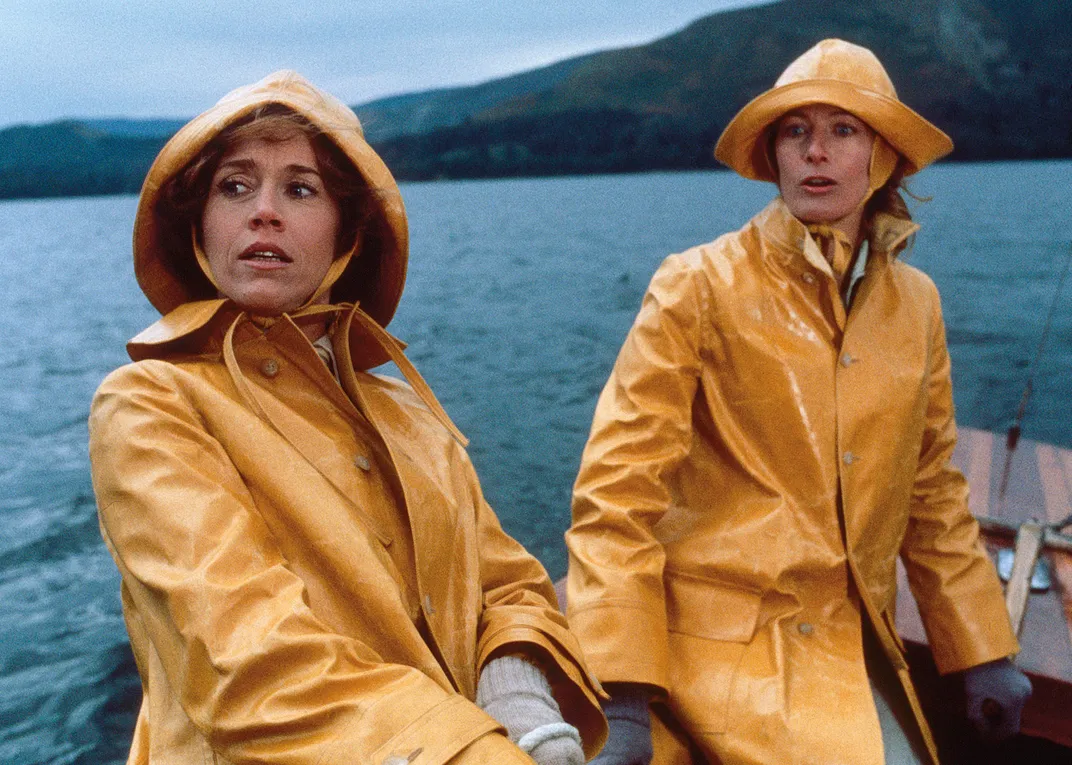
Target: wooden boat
(1024, 519)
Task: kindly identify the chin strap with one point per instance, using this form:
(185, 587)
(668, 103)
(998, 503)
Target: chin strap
(394, 351)
(884, 160)
(835, 246)
(338, 266)
(202, 258)
(833, 242)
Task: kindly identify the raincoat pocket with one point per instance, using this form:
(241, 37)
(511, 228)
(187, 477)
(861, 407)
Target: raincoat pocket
(710, 626)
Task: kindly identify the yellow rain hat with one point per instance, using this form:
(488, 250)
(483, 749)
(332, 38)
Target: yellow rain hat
(841, 74)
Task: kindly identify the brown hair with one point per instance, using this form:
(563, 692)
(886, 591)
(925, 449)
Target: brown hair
(182, 200)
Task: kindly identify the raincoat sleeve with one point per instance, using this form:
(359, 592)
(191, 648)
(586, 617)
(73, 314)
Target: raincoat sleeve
(951, 576)
(641, 432)
(521, 616)
(260, 676)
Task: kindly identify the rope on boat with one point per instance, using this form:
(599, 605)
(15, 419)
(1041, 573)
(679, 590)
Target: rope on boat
(1013, 437)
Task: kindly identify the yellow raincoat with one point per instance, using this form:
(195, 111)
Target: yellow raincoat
(310, 574)
(757, 461)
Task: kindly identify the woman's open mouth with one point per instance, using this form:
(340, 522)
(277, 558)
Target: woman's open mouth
(259, 253)
(817, 182)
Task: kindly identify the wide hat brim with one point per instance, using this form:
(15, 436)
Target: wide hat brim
(743, 144)
(165, 266)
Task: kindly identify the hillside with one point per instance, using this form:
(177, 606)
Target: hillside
(415, 113)
(72, 158)
(993, 73)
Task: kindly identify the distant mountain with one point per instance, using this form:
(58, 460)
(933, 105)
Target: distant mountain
(70, 158)
(416, 113)
(135, 128)
(994, 74)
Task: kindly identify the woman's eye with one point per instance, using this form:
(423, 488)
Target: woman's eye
(232, 187)
(793, 131)
(845, 130)
(301, 190)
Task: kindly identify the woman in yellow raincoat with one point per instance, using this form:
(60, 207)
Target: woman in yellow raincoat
(776, 431)
(310, 574)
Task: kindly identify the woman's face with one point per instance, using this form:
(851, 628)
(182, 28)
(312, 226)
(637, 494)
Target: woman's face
(824, 159)
(269, 226)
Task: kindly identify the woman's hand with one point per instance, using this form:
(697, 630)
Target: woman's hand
(995, 694)
(516, 693)
(629, 740)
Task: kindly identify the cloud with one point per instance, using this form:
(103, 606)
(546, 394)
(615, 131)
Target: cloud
(93, 58)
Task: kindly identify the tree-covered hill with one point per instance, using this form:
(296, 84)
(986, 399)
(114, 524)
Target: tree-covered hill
(994, 74)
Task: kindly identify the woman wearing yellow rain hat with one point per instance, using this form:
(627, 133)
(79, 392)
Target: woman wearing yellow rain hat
(777, 430)
(309, 571)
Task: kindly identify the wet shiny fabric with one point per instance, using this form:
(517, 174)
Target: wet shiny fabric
(310, 573)
(758, 459)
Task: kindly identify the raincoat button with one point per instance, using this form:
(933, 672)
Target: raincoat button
(847, 360)
(362, 462)
(850, 458)
(805, 628)
(396, 759)
(269, 367)
(808, 277)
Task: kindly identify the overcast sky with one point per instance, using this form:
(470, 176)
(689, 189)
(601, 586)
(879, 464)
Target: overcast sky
(164, 58)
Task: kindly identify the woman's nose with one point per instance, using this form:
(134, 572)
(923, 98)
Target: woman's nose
(266, 211)
(816, 148)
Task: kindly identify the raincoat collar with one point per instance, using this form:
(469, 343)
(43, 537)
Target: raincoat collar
(360, 341)
(889, 235)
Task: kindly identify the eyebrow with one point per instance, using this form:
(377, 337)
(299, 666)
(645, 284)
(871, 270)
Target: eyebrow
(249, 164)
(837, 113)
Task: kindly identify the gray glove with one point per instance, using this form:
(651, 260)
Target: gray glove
(995, 694)
(629, 739)
(517, 694)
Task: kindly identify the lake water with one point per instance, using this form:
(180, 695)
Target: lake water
(520, 293)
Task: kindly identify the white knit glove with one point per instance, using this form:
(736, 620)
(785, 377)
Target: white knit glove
(517, 694)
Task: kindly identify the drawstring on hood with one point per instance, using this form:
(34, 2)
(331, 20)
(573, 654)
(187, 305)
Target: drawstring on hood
(335, 270)
(835, 246)
(351, 314)
(833, 242)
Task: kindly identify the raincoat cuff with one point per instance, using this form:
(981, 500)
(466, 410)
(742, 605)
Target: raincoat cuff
(457, 723)
(951, 659)
(960, 640)
(623, 644)
(575, 689)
